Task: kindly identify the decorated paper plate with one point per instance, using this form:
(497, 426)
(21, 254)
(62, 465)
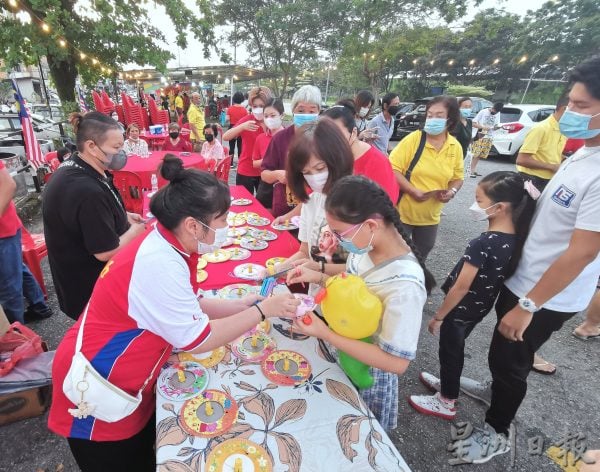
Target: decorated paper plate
(236, 219)
(271, 263)
(249, 271)
(263, 234)
(258, 220)
(286, 368)
(238, 253)
(254, 244)
(237, 291)
(227, 242)
(220, 255)
(241, 201)
(201, 276)
(207, 359)
(238, 455)
(210, 414)
(202, 263)
(253, 347)
(287, 225)
(307, 303)
(236, 232)
(182, 381)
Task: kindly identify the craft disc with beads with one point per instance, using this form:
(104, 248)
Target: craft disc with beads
(262, 234)
(249, 271)
(201, 276)
(241, 201)
(253, 347)
(236, 232)
(182, 381)
(227, 242)
(307, 303)
(254, 244)
(237, 219)
(220, 255)
(286, 368)
(207, 359)
(258, 221)
(239, 253)
(238, 454)
(210, 414)
(285, 226)
(202, 263)
(237, 291)
(271, 263)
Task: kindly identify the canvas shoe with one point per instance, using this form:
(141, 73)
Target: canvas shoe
(483, 444)
(478, 390)
(433, 405)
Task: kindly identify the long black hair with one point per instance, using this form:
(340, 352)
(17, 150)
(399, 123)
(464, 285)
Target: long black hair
(509, 187)
(190, 192)
(354, 199)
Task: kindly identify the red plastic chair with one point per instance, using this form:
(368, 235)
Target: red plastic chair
(222, 169)
(34, 250)
(130, 187)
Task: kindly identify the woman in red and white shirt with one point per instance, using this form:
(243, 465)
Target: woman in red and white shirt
(142, 306)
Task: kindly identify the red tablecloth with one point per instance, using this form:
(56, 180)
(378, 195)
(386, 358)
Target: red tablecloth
(154, 141)
(145, 167)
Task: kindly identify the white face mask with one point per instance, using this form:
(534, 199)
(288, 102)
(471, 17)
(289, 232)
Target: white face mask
(317, 181)
(478, 213)
(273, 122)
(258, 113)
(220, 238)
(363, 112)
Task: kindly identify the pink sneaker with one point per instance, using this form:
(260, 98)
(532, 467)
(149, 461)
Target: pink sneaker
(433, 405)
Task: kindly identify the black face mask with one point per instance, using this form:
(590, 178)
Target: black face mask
(209, 137)
(392, 110)
(174, 134)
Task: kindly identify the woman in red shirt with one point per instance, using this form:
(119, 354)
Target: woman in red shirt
(174, 142)
(249, 128)
(234, 114)
(368, 160)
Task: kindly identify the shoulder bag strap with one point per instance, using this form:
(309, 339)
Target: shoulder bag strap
(417, 156)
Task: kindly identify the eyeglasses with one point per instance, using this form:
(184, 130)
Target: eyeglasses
(340, 236)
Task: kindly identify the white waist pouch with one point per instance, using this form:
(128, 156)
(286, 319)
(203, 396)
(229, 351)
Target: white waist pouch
(93, 394)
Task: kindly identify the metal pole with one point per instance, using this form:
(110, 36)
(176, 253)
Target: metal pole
(44, 87)
(327, 84)
(528, 84)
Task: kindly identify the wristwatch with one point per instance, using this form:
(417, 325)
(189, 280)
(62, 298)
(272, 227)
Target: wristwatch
(528, 304)
(454, 190)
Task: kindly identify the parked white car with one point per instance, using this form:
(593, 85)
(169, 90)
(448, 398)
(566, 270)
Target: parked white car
(515, 122)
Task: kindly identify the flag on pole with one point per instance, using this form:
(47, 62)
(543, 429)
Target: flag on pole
(81, 99)
(33, 152)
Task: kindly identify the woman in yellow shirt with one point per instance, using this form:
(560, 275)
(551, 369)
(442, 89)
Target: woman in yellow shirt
(437, 175)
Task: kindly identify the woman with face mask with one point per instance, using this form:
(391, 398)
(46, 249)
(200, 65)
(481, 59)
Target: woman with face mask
(463, 131)
(145, 304)
(133, 144)
(363, 102)
(249, 128)
(274, 121)
(85, 222)
(212, 149)
(174, 141)
(381, 127)
(429, 168)
(319, 156)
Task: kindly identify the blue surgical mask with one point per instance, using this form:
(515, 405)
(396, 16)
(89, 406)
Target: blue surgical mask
(349, 246)
(303, 118)
(575, 125)
(435, 126)
(466, 112)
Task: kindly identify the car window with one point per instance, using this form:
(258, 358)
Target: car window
(5, 124)
(540, 115)
(510, 115)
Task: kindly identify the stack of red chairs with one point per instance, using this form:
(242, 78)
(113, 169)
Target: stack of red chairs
(107, 101)
(133, 112)
(100, 105)
(120, 113)
(34, 250)
(222, 169)
(157, 117)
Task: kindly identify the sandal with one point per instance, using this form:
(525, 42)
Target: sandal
(542, 371)
(585, 337)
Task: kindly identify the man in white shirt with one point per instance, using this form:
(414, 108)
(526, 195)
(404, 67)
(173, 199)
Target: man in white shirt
(487, 121)
(558, 271)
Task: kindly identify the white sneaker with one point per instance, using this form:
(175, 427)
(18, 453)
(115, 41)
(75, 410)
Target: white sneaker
(433, 405)
(483, 444)
(478, 390)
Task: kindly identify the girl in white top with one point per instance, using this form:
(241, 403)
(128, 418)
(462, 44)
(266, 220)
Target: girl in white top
(365, 222)
(133, 144)
(318, 156)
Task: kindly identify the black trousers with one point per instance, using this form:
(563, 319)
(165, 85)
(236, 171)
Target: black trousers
(510, 362)
(251, 183)
(135, 453)
(539, 183)
(233, 143)
(454, 330)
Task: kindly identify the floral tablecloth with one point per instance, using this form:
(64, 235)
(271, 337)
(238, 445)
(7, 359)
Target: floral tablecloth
(319, 425)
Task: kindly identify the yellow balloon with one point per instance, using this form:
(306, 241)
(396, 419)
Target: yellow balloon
(350, 308)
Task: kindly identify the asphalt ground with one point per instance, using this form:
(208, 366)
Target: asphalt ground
(566, 402)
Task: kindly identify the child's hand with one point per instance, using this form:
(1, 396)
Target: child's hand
(434, 326)
(311, 325)
(303, 274)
